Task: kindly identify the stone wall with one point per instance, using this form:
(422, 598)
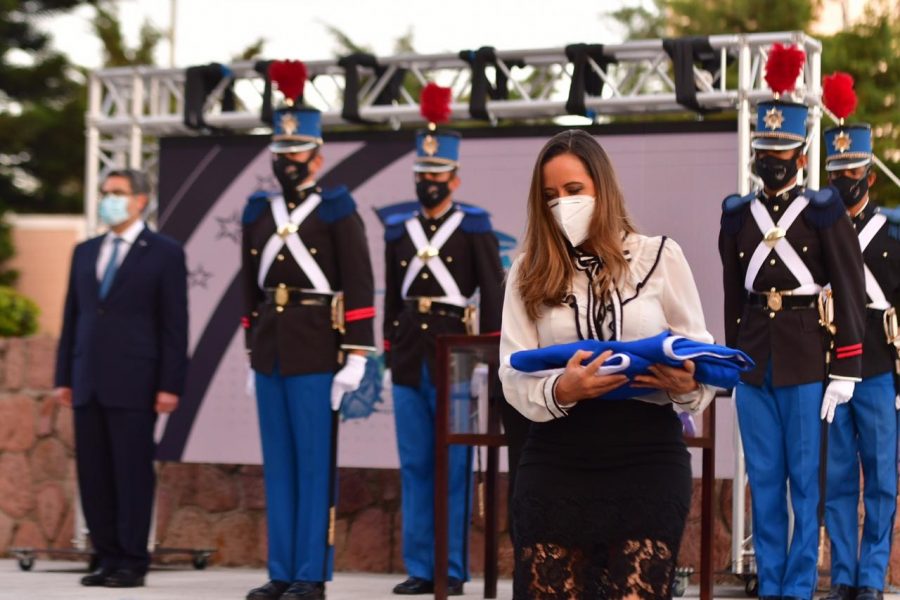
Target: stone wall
(222, 506)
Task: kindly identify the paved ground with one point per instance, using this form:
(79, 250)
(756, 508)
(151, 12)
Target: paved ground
(58, 580)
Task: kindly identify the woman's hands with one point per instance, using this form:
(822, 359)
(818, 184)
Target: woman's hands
(583, 382)
(673, 380)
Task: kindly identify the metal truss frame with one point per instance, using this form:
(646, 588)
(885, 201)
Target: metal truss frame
(130, 108)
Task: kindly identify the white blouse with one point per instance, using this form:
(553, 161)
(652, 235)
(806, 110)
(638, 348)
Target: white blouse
(659, 294)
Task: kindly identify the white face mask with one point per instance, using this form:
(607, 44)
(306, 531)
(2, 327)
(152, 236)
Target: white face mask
(573, 215)
(113, 209)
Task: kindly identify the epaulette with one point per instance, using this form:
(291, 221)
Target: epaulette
(394, 225)
(825, 207)
(337, 203)
(257, 203)
(893, 220)
(733, 213)
(476, 219)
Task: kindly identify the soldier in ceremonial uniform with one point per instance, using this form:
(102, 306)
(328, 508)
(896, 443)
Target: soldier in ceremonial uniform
(864, 431)
(435, 260)
(308, 289)
(779, 248)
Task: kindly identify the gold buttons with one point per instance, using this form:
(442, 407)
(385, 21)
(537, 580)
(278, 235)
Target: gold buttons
(279, 309)
(771, 315)
(424, 326)
(738, 320)
(254, 314)
(740, 255)
(280, 257)
(772, 262)
(884, 255)
(775, 208)
(403, 263)
(253, 251)
(313, 251)
(396, 323)
(805, 248)
(424, 275)
(449, 259)
(433, 227)
(291, 205)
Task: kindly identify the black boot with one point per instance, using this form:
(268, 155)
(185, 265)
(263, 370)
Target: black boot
(414, 585)
(270, 591)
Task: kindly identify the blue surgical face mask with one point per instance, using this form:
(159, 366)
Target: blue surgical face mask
(114, 209)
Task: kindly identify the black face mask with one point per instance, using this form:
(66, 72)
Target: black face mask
(775, 172)
(290, 173)
(852, 190)
(432, 193)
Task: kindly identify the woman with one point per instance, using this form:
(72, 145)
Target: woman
(603, 487)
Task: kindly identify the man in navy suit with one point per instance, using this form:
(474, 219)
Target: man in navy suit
(121, 360)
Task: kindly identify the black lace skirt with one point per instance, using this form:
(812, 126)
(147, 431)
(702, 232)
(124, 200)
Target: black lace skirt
(600, 503)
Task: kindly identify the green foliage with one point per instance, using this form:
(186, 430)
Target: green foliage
(41, 114)
(116, 52)
(252, 51)
(7, 276)
(18, 314)
(706, 17)
(870, 52)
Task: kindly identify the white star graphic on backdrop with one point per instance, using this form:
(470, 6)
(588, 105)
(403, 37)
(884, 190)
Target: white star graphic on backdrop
(230, 227)
(266, 182)
(199, 277)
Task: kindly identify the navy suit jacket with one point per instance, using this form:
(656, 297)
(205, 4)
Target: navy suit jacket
(124, 349)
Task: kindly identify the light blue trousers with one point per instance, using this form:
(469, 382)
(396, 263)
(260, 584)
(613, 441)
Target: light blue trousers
(864, 432)
(780, 429)
(414, 410)
(295, 426)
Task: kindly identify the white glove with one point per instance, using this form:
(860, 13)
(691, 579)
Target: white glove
(839, 391)
(347, 379)
(897, 401)
(387, 382)
(250, 385)
(478, 383)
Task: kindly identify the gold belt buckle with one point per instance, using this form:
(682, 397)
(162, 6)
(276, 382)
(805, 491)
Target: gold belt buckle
(424, 305)
(281, 295)
(337, 313)
(773, 300)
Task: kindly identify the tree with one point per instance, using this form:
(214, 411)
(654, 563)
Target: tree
(869, 51)
(41, 112)
(116, 52)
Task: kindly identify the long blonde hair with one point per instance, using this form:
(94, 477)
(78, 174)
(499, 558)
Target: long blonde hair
(546, 268)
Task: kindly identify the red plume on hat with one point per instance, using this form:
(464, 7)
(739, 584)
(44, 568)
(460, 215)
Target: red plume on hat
(838, 94)
(434, 104)
(290, 77)
(783, 68)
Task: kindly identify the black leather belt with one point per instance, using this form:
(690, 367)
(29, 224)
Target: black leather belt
(776, 301)
(284, 296)
(426, 306)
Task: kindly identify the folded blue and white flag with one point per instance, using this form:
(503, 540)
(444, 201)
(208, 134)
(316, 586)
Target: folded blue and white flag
(716, 365)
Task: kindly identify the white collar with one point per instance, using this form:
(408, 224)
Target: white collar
(131, 234)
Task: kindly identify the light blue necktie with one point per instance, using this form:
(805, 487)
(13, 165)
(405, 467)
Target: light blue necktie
(111, 267)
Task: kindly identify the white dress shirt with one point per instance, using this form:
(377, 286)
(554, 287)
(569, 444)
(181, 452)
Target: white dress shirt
(667, 300)
(129, 236)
